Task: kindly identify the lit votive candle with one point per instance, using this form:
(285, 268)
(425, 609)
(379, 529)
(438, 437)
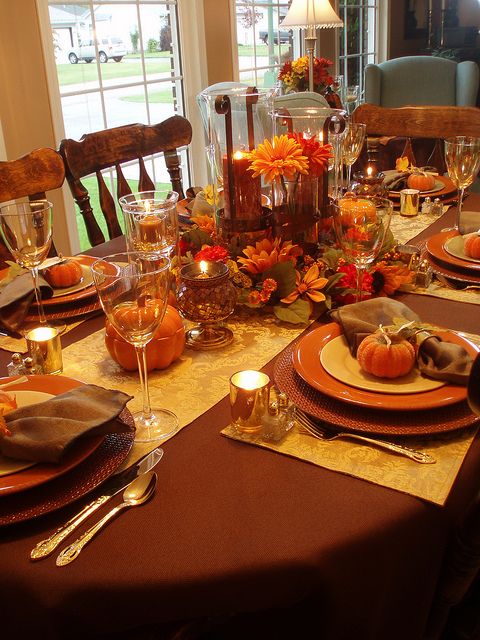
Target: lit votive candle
(45, 348)
(203, 270)
(249, 394)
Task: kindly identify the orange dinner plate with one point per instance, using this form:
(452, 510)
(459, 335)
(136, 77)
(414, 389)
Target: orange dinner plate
(306, 362)
(40, 473)
(436, 247)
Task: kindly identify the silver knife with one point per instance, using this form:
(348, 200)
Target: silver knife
(106, 491)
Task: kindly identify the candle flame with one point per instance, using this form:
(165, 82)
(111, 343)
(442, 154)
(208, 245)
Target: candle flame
(238, 155)
(203, 266)
(369, 171)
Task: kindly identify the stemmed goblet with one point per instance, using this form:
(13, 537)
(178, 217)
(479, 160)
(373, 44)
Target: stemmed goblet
(462, 157)
(27, 230)
(133, 291)
(360, 226)
(352, 143)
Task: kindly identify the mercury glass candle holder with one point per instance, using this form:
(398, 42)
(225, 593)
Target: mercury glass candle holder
(369, 184)
(206, 296)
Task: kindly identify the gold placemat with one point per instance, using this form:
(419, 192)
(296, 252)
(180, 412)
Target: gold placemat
(431, 482)
(192, 384)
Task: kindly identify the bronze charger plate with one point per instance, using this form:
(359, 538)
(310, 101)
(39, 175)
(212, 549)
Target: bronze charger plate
(365, 420)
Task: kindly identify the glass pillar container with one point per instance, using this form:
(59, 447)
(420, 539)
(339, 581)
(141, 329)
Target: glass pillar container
(238, 120)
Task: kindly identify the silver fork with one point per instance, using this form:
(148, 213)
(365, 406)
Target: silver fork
(323, 433)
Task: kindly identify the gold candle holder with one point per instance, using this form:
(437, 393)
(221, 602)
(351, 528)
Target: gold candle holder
(249, 395)
(206, 296)
(45, 348)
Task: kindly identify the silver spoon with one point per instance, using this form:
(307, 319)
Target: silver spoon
(137, 492)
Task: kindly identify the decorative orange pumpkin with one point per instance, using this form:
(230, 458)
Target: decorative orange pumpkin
(166, 346)
(353, 207)
(471, 245)
(421, 181)
(64, 274)
(386, 355)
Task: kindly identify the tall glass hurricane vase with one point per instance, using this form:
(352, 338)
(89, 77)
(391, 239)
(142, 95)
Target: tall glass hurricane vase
(27, 230)
(462, 157)
(133, 290)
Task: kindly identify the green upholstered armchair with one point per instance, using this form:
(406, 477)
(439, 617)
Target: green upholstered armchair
(422, 80)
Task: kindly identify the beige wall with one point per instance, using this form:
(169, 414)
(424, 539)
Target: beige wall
(220, 67)
(25, 115)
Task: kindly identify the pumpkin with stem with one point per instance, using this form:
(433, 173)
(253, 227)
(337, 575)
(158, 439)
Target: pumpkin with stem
(386, 354)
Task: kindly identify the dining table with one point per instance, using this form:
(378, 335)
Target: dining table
(245, 539)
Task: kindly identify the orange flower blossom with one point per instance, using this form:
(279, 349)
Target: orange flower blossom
(388, 278)
(318, 154)
(310, 285)
(267, 253)
(282, 159)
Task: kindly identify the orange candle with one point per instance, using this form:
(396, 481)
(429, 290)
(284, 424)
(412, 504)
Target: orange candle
(246, 189)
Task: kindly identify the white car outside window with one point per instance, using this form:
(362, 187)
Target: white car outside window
(111, 47)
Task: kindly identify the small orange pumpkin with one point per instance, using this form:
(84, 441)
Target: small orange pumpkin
(64, 274)
(166, 345)
(421, 181)
(471, 245)
(353, 207)
(386, 355)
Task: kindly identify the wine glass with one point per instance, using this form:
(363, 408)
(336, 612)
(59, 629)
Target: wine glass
(27, 230)
(133, 291)
(352, 143)
(360, 226)
(351, 97)
(462, 157)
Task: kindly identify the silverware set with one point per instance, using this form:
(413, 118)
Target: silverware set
(326, 433)
(138, 485)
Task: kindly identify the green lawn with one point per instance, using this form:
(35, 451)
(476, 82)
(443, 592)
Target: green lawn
(83, 72)
(153, 97)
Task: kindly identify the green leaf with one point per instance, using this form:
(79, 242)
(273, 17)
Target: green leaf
(284, 275)
(296, 313)
(197, 237)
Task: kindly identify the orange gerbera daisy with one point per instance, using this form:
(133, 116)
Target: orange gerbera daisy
(317, 154)
(310, 286)
(267, 253)
(283, 158)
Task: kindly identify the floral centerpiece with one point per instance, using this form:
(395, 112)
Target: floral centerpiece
(294, 75)
(278, 273)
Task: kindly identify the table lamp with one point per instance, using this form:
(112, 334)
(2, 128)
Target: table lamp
(311, 15)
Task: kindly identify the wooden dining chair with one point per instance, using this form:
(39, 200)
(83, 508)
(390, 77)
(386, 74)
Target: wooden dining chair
(112, 148)
(422, 122)
(29, 177)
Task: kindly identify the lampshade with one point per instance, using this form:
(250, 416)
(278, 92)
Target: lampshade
(311, 13)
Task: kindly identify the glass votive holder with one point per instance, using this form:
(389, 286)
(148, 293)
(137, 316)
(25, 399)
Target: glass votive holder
(409, 202)
(151, 221)
(45, 348)
(206, 296)
(249, 396)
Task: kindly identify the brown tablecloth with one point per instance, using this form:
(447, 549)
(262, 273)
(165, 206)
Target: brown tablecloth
(239, 529)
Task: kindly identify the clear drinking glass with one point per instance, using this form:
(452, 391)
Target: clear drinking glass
(360, 226)
(352, 143)
(27, 231)
(151, 221)
(133, 290)
(462, 157)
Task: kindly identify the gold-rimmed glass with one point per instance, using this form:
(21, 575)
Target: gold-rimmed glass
(133, 291)
(360, 226)
(462, 157)
(27, 231)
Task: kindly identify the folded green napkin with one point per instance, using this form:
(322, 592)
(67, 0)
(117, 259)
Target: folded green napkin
(16, 298)
(42, 432)
(396, 180)
(435, 358)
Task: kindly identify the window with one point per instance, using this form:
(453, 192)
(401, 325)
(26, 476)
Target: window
(358, 41)
(117, 62)
(262, 45)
